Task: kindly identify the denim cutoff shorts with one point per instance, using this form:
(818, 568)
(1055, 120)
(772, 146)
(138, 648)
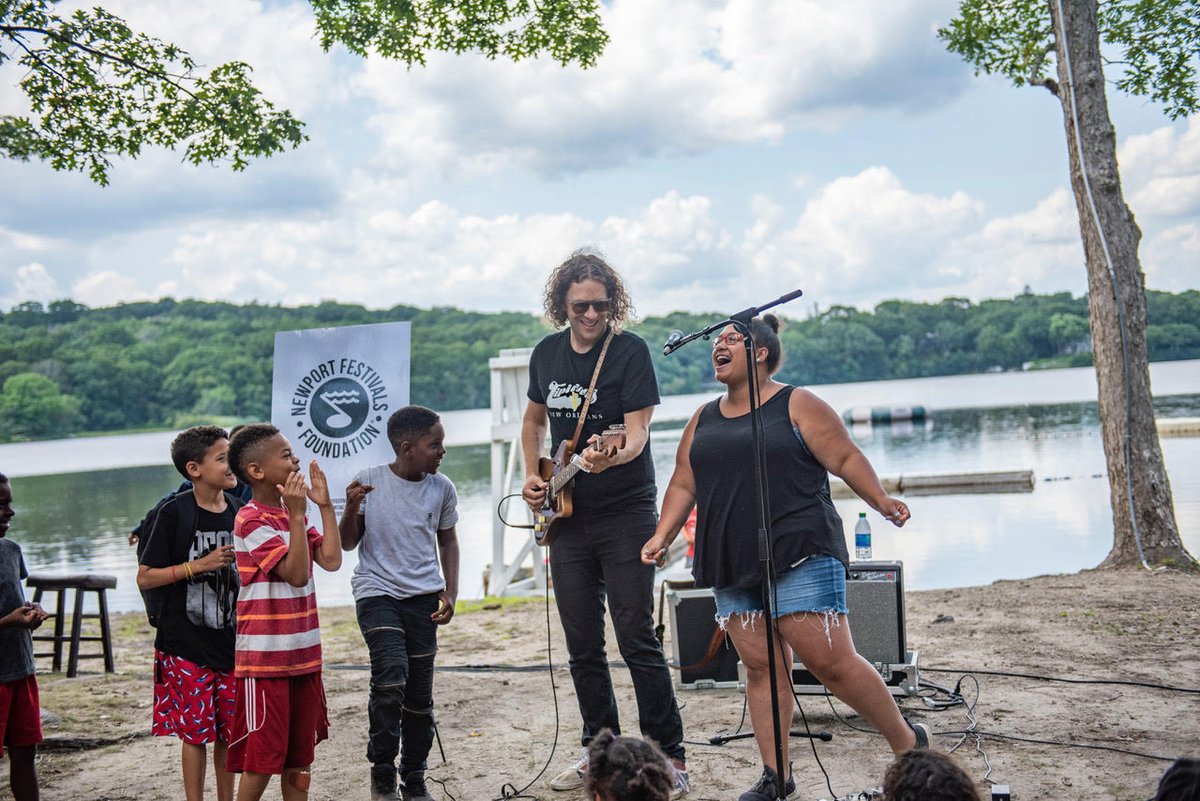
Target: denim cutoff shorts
(817, 584)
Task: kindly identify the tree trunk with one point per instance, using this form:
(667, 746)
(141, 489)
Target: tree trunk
(1116, 289)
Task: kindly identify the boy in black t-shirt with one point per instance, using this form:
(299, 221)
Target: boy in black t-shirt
(189, 578)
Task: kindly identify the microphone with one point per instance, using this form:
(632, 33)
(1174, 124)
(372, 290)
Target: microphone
(672, 340)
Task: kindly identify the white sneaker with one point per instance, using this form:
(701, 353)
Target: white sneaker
(680, 784)
(572, 777)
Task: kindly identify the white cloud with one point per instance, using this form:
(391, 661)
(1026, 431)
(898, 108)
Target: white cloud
(433, 255)
(35, 283)
(676, 78)
(862, 238)
(1039, 248)
(31, 281)
(14, 241)
(108, 288)
(1161, 171)
(1171, 259)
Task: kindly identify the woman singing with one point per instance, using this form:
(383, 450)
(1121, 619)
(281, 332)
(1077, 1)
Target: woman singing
(714, 470)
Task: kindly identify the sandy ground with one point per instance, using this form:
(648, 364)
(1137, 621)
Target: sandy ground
(1046, 739)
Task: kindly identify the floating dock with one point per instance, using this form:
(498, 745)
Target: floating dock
(948, 484)
(884, 414)
(1178, 426)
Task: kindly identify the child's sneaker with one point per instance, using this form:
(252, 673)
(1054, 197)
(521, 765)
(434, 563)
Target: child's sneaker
(412, 788)
(383, 783)
(572, 777)
(767, 788)
(680, 786)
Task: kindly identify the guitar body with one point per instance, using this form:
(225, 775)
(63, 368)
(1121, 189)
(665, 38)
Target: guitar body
(559, 474)
(558, 505)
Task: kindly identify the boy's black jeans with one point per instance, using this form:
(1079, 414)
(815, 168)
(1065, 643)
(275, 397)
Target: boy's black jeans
(402, 642)
(596, 561)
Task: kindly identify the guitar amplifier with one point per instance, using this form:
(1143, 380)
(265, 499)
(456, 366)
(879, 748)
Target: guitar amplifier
(874, 598)
(875, 604)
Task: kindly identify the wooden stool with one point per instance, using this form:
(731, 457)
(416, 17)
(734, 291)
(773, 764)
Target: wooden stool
(80, 583)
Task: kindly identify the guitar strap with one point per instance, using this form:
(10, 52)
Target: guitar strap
(587, 399)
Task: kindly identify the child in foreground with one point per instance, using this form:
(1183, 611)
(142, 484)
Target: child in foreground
(400, 594)
(281, 713)
(627, 769)
(20, 712)
(191, 587)
(924, 775)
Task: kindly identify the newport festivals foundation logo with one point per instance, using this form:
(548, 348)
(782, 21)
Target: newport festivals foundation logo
(339, 407)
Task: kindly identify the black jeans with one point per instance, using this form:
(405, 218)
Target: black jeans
(594, 559)
(402, 642)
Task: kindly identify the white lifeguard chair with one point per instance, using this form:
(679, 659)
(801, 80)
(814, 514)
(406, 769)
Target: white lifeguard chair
(527, 572)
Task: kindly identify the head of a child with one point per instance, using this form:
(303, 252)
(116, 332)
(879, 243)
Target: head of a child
(627, 769)
(261, 456)
(924, 775)
(6, 507)
(1181, 782)
(418, 438)
(201, 455)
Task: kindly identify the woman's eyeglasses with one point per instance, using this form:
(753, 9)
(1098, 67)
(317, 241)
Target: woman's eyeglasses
(581, 306)
(730, 339)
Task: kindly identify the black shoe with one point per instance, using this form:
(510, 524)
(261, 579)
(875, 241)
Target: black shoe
(412, 788)
(383, 782)
(767, 788)
(922, 732)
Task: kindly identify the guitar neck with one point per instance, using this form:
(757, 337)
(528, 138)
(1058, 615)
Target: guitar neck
(564, 476)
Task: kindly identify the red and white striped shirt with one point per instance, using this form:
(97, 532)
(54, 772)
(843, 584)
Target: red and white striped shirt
(278, 633)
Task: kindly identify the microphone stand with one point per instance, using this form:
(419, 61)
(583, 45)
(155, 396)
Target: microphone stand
(741, 323)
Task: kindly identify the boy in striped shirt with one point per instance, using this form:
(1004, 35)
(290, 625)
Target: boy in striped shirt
(281, 713)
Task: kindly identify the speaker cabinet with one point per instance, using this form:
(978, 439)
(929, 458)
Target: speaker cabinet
(874, 598)
(693, 623)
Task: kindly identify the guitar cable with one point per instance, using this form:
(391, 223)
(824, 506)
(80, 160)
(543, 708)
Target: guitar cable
(503, 519)
(508, 790)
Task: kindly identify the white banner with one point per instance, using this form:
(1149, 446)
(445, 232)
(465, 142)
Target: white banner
(332, 392)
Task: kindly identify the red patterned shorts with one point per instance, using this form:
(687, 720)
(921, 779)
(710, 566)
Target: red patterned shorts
(192, 702)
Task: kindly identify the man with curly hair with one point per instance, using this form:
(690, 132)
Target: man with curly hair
(595, 556)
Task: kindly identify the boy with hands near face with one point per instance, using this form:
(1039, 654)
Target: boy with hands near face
(281, 713)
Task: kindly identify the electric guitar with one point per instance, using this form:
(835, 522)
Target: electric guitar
(558, 474)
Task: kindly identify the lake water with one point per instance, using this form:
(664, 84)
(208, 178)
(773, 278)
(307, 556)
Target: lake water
(78, 521)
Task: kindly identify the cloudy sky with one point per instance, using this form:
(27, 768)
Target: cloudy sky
(722, 153)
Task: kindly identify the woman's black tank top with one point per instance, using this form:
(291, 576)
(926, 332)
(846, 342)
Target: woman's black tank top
(803, 520)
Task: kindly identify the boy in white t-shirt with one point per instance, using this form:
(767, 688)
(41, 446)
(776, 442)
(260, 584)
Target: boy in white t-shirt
(401, 596)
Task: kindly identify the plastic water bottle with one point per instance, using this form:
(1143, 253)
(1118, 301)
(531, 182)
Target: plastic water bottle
(862, 538)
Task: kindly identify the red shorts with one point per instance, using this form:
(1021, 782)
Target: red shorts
(278, 724)
(20, 713)
(191, 701)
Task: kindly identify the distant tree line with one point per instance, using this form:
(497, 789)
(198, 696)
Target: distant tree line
(66, 368)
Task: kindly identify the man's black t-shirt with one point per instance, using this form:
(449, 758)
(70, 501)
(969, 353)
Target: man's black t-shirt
(559, 378)
(198, 619)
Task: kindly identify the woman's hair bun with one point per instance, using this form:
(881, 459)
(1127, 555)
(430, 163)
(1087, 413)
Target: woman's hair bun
(772, 321)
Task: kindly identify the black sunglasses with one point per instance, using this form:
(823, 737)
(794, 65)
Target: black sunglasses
(581, 306)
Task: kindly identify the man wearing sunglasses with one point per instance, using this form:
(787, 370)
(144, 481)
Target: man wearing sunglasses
(595, 556)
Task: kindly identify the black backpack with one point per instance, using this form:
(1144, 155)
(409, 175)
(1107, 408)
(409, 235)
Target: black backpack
(185, 523)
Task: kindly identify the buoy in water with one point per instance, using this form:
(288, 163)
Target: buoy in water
(884, 414)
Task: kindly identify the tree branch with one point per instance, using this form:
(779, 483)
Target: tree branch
(1035, 70)
(165, 77)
